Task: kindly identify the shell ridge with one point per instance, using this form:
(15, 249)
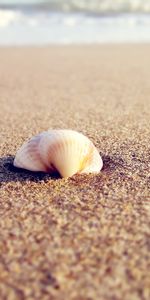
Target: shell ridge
(44, 151)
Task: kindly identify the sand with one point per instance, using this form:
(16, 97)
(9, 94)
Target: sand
(86, 237)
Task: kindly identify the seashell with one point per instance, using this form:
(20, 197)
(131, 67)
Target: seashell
(65, 151)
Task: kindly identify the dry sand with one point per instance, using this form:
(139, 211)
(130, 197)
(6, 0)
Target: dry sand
(86, 237)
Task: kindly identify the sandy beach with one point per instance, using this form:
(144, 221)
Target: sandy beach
(86, 237)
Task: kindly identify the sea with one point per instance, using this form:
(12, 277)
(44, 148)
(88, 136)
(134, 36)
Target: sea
(46, 22)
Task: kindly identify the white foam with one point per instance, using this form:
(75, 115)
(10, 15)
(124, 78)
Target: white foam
(70, 21)
(42, 28)
(7, 17)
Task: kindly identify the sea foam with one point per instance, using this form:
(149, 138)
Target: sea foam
(42, 27)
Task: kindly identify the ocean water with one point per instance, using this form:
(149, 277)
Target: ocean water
(37, 22)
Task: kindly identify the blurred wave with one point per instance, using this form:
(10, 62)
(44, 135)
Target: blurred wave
(87, 6)
(44, 28)
(37, 22)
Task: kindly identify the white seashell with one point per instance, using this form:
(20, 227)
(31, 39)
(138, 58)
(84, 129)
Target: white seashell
(65, 151)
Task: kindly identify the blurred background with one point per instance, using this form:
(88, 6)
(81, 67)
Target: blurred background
(44, 22)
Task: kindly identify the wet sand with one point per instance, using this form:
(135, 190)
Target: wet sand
(86, 237)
